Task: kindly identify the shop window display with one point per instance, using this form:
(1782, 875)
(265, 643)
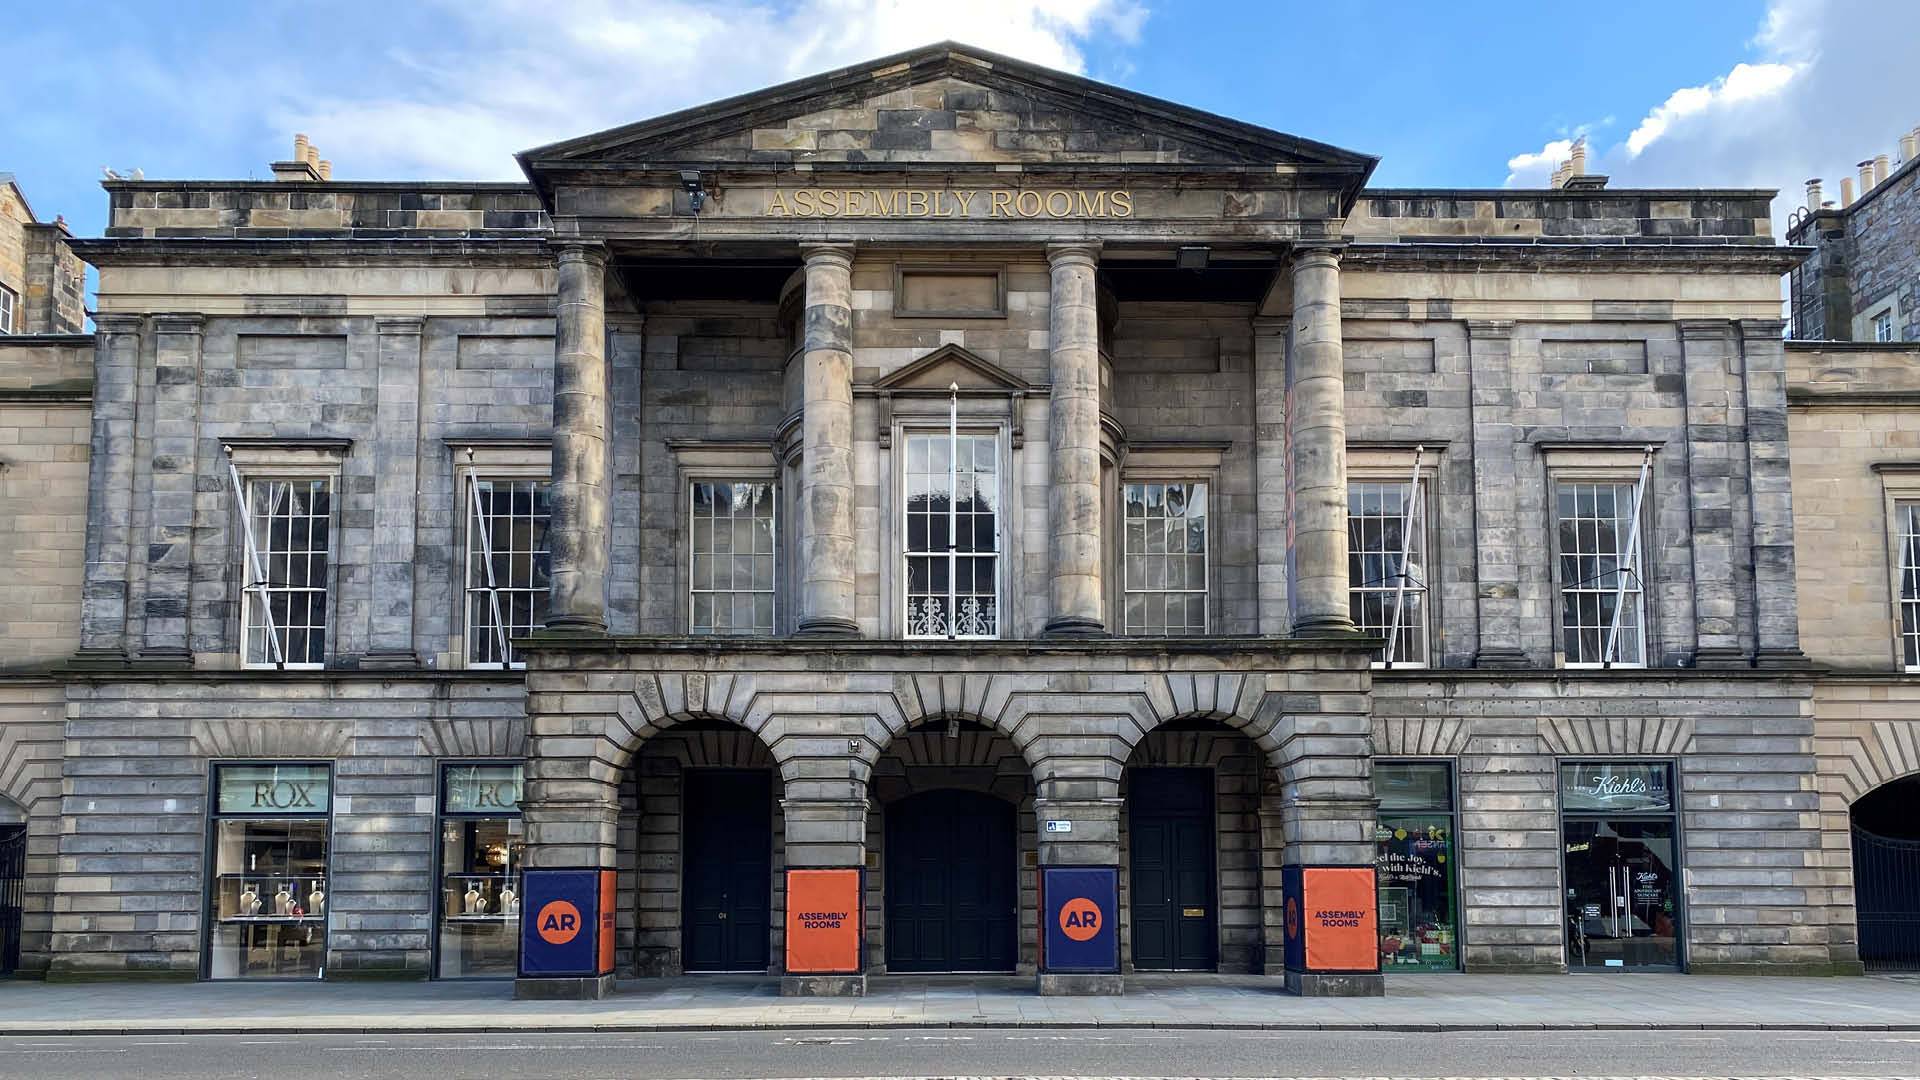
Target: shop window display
(482, 845)
(1414, 851)
(269, 891)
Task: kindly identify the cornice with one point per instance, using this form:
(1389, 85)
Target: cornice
(315, 250)
(1588, 254)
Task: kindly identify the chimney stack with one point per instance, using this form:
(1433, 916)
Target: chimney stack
(1577, 164)
(1813, 195)
(1846, 192)
(305, 167)
(1880, 169)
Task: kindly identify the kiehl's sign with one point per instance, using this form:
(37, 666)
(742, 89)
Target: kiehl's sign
(950, 203)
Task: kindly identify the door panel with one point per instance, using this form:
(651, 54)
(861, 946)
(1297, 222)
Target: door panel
(1175, 923)
(727, 875)
(1622, 906)
(13, 870)
(1886, 882)
(951, 896)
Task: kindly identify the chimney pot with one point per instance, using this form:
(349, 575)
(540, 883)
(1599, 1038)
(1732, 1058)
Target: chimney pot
(1880, 169)
(1866, 176)
(1908, 145)
(1846, 192)
(1813, 194)
(299, 147)
(1577, 164)
(326, 170)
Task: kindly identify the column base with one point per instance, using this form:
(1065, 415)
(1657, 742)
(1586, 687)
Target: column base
(823, 986)
(588, 989)
(1499, 658)
(1325, 626)
(1720, 657)
(1075, 626)
(830, 628)
(389, 660)
(94, 659)
(1781, 658)
(166, 656)
(1306, 984)
(1049, 984)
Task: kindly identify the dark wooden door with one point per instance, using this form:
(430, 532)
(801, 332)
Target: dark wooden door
(1171, 878)
(951, 896)
(727, 869)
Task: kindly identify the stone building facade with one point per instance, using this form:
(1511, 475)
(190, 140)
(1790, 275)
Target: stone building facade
(1861, 281)
(42, 282)
(950, 470)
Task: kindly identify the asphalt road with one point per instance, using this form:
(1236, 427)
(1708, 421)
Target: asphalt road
(998, 1052)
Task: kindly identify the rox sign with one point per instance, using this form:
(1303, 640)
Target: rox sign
(274, 789)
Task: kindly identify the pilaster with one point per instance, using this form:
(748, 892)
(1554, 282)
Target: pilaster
(1495, 516)
(826, 424)
(172, 475)
(581, 501)
(1076, 596)
(103, 600)
(396, 451)
(1769, 487)
(1270, 472)
(1709, 358)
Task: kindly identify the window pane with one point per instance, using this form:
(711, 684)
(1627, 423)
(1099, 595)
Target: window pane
(1598, 575)
(731, 540)
(1164, 560)
(1386, 554)
(508, 566)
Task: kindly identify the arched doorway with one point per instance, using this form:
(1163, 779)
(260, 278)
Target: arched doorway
(951, 895)
(13, 884)
(1886, 875)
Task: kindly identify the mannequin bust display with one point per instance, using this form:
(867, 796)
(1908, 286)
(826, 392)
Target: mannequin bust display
(317, 900)
(475, 903)
(509, 903)
(282, 901)
(249, 901)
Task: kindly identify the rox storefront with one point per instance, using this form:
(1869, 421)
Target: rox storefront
(271, 855)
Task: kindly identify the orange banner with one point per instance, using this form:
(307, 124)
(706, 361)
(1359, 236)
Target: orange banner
(1342, 919)
(607, 893)
(823, 922)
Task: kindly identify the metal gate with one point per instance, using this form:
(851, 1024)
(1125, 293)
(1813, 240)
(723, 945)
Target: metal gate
(13, 889)
(1886, 891)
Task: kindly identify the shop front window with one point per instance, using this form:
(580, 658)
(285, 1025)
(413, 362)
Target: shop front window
(269, 893)
(482, 845)
(1414, 853)
(1621, 865)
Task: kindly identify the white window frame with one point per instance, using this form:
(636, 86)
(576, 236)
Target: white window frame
(1899, 488)
(722, 462)
(9, 309)
(267, 463)
(1883, 326)
(1128, 587)
(970, 429)
(1396, 467)
(772, 591)
(1866, 325)
(1906, 547)
(477, 463)
(1616, 466)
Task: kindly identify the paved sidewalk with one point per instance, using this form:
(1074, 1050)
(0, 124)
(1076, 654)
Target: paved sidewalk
(1413, 1002)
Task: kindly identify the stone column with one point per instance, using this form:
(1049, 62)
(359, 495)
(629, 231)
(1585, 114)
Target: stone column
(1270, 472)
(1769, 487)
(1496, 522)
(172, 483)
(1317, 444)
(1076, 597)
(396, 452)
(581, 503)
(826, 425)
(103, 599)
(1708, 357)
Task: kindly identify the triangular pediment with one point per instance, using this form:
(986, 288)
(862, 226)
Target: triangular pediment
(947, 105)
(949, 366)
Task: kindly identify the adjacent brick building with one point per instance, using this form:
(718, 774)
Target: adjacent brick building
(959, 475)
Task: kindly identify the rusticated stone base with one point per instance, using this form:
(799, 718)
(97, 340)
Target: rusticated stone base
(823, 986)
(591, 989)
(1306, 985)
(1050, 985)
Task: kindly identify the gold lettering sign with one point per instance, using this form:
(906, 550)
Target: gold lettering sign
(949, 203)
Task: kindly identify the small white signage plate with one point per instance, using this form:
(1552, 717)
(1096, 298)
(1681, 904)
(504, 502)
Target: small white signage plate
(1059, 826)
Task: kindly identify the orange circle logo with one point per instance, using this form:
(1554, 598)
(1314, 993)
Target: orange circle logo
(1293, 917)
(1080, 918)
(558, 922)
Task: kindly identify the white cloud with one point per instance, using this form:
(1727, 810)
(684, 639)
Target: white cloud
(1745, 83)
(512, 76)
(1829, 83)
(1536, 169)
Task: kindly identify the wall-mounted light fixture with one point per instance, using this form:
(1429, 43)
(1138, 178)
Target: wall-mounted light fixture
(696, 194)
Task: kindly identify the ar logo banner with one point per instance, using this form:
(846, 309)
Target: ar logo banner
(558, 922)
(1080, 918)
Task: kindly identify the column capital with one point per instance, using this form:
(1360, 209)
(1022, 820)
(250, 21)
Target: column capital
(1762, 329)
(1071, 251)
(1490, 329)
(828, 253)
(1272, 325)
(111, 322)
(1705, 328)
(179, 323)
(1309, 252)
(399, 324)
(584, 251)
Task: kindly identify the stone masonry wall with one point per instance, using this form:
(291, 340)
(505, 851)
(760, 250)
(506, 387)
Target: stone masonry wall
(44, 434)
(31, 728)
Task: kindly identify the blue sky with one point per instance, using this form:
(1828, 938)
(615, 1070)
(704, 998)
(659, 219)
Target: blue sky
(1758, 93)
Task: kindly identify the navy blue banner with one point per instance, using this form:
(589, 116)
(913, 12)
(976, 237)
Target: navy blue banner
(1081, 919)
(559, 920)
